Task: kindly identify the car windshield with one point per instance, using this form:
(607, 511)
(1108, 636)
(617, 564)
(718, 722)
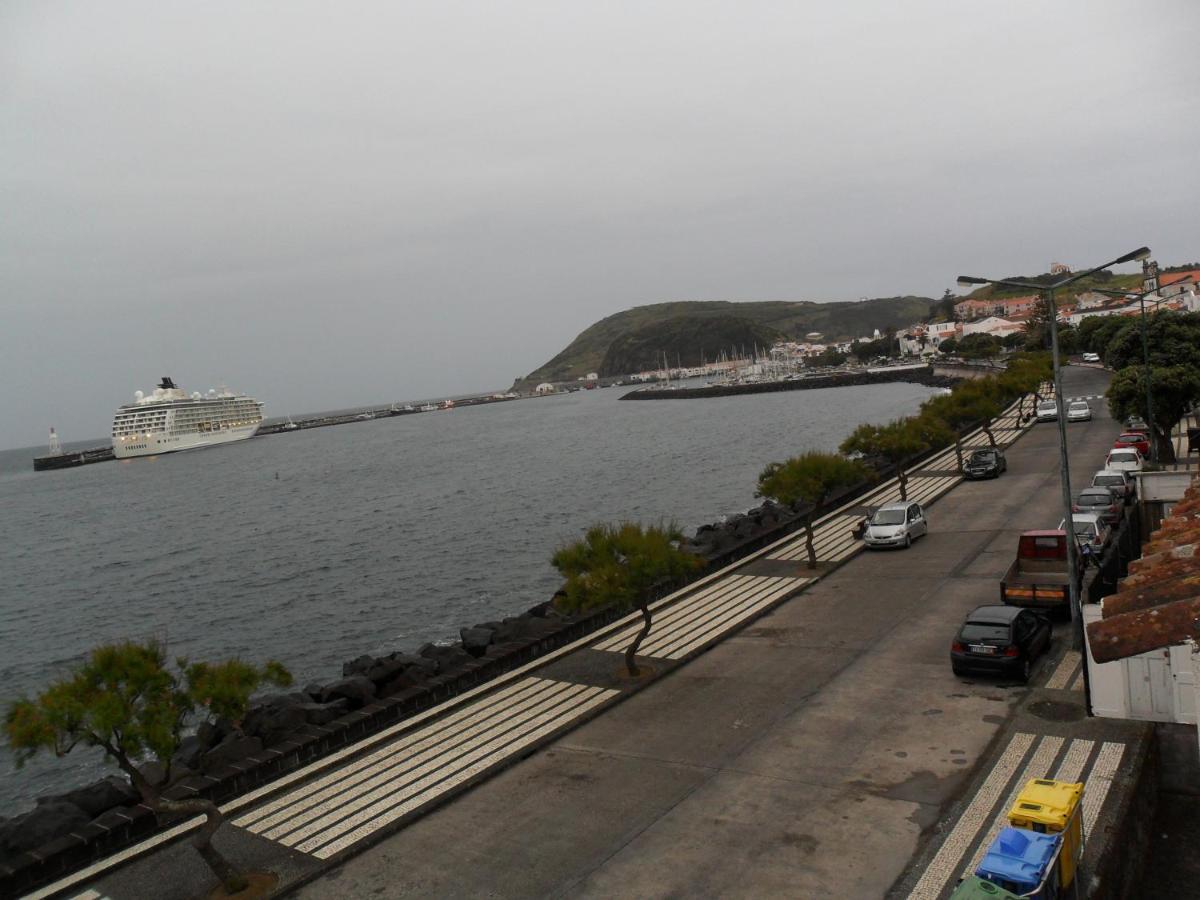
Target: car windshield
(975, 631)
(1094, 500)
(1085, 529)
(888, 517)
(1123, 456)
(1047, 404)
(983, 456)
(1114, 480)
(1079, 407)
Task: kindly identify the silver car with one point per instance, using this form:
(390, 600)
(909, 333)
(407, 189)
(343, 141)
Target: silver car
(1079, 411)
(1047, 411)
(896, 525)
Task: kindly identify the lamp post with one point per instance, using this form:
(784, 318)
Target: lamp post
(1064, 468)
(1141, 298)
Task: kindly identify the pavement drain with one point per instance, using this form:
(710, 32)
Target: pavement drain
(1055, 711)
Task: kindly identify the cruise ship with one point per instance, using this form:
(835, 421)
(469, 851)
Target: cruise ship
(169, 419)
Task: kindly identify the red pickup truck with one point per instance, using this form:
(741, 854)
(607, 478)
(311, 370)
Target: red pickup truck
(1038, 576)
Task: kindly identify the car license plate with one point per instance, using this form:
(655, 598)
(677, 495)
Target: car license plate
(983, 648)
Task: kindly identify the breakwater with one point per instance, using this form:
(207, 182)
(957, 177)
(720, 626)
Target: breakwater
(915, 374)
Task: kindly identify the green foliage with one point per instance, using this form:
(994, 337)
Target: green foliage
(1173, 339)
(837, 321)
(618, 565)
(895, 441)
(685, 340)
(868, 350)
(125, 699)
(934, 432)
(979, 346)
(830, 356)
(1175, 390)
(1010, 341)
(810, 478)
(948, 346)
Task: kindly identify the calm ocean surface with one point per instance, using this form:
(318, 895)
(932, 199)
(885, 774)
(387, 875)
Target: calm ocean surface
(316, 546)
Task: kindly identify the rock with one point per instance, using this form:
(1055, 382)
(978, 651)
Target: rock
(154, 772)
(234, 748)
(358, 666)
(313, 689)
(275, 716)
(51, 819)
(189, 753)
(448, 657)
(107, 793)
(542, 610)
(324, 713)
(476, 640)
(386, 669)
(358, 690)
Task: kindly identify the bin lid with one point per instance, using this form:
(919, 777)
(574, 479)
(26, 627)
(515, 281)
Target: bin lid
(974, 888)
(1047, 802)
(1019, 857)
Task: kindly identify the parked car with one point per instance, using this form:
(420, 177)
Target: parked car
(896, 525)
(1104, 501)
(1119, 480)
(1137, 423)
(1079, 411)
(987, 462)
(1135, 439)
(1128, 460)
(1089, 529)
(1047, 411)
(1091, 357)
(1000, 640)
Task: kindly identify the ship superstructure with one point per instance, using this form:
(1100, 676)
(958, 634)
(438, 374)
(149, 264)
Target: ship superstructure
(169, 419)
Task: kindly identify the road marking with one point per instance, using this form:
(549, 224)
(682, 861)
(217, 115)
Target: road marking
(1037, 767)
(1099, 782)
(945, 862)
(1072, 765)
(1063, 671)
(1077, 681)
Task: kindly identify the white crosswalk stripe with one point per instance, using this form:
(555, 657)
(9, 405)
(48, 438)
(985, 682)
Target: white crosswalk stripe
(1066, 667)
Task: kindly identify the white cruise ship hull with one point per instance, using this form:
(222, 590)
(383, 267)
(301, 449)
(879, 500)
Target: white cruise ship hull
(157, 444)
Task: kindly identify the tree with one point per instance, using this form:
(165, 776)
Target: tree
(1037, 326)
(621, 565)
(1013, 340)
(1173, 339)
(810, 478)
(830, 356)
(979, 346)
(897, 442)
(948, 346)
(126, 699)
(1175, 390)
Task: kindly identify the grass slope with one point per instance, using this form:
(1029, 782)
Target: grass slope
(681, 325)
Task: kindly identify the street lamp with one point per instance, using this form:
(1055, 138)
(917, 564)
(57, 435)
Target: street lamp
(1064, 468)
(1141, 298)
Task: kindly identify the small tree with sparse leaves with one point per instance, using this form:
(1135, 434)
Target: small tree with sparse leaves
(622, 565)
(897, 442)
(810, 478)
(126, 699)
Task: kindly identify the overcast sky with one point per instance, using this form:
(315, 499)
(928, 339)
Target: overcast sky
(331, 204)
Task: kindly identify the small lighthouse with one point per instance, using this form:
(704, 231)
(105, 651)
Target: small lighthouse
(55, 444)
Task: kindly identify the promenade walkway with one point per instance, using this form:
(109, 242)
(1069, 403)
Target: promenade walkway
(330, 811)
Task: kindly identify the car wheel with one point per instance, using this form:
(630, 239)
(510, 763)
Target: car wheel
(1026, 670)
(907, 541)
(957, 671)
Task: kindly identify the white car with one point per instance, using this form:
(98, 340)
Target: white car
(1091, 357)
(896, 525)
(1047, 411)
(1125, 459)
(1119, 481)
(1089, 529)
(1079, 411)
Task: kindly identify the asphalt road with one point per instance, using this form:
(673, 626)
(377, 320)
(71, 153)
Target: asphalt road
(806, 756)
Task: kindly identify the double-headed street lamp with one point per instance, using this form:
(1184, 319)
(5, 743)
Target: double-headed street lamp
(1064, 468)
(1141, 298)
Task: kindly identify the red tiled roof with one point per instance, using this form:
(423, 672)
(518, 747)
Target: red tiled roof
(1158, 603)
(1172, 277)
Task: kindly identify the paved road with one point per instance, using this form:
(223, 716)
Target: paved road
(805, 756)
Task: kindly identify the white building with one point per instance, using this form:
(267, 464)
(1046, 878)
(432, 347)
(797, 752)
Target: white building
(993, 325)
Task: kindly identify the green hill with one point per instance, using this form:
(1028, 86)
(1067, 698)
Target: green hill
(635, 339)
(1104, 279)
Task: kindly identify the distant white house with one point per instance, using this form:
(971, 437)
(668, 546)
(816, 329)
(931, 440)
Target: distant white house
(592, 376)
(544, 388)
(993, 325)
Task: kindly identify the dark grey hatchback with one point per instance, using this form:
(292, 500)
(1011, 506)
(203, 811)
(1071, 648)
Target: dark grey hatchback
(1000, 640)
(986, 463)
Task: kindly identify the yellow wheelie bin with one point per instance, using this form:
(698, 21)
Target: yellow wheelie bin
(1053, 807)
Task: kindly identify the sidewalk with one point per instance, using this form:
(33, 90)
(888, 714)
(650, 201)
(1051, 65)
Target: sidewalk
(332, 809)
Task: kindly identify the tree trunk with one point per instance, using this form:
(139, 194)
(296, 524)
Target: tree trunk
(630, 662)
(1020, 408)
(903, 482)
(987, 429)
(1166, 447)
(958, 451)
(231, 879)
(808, 540)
